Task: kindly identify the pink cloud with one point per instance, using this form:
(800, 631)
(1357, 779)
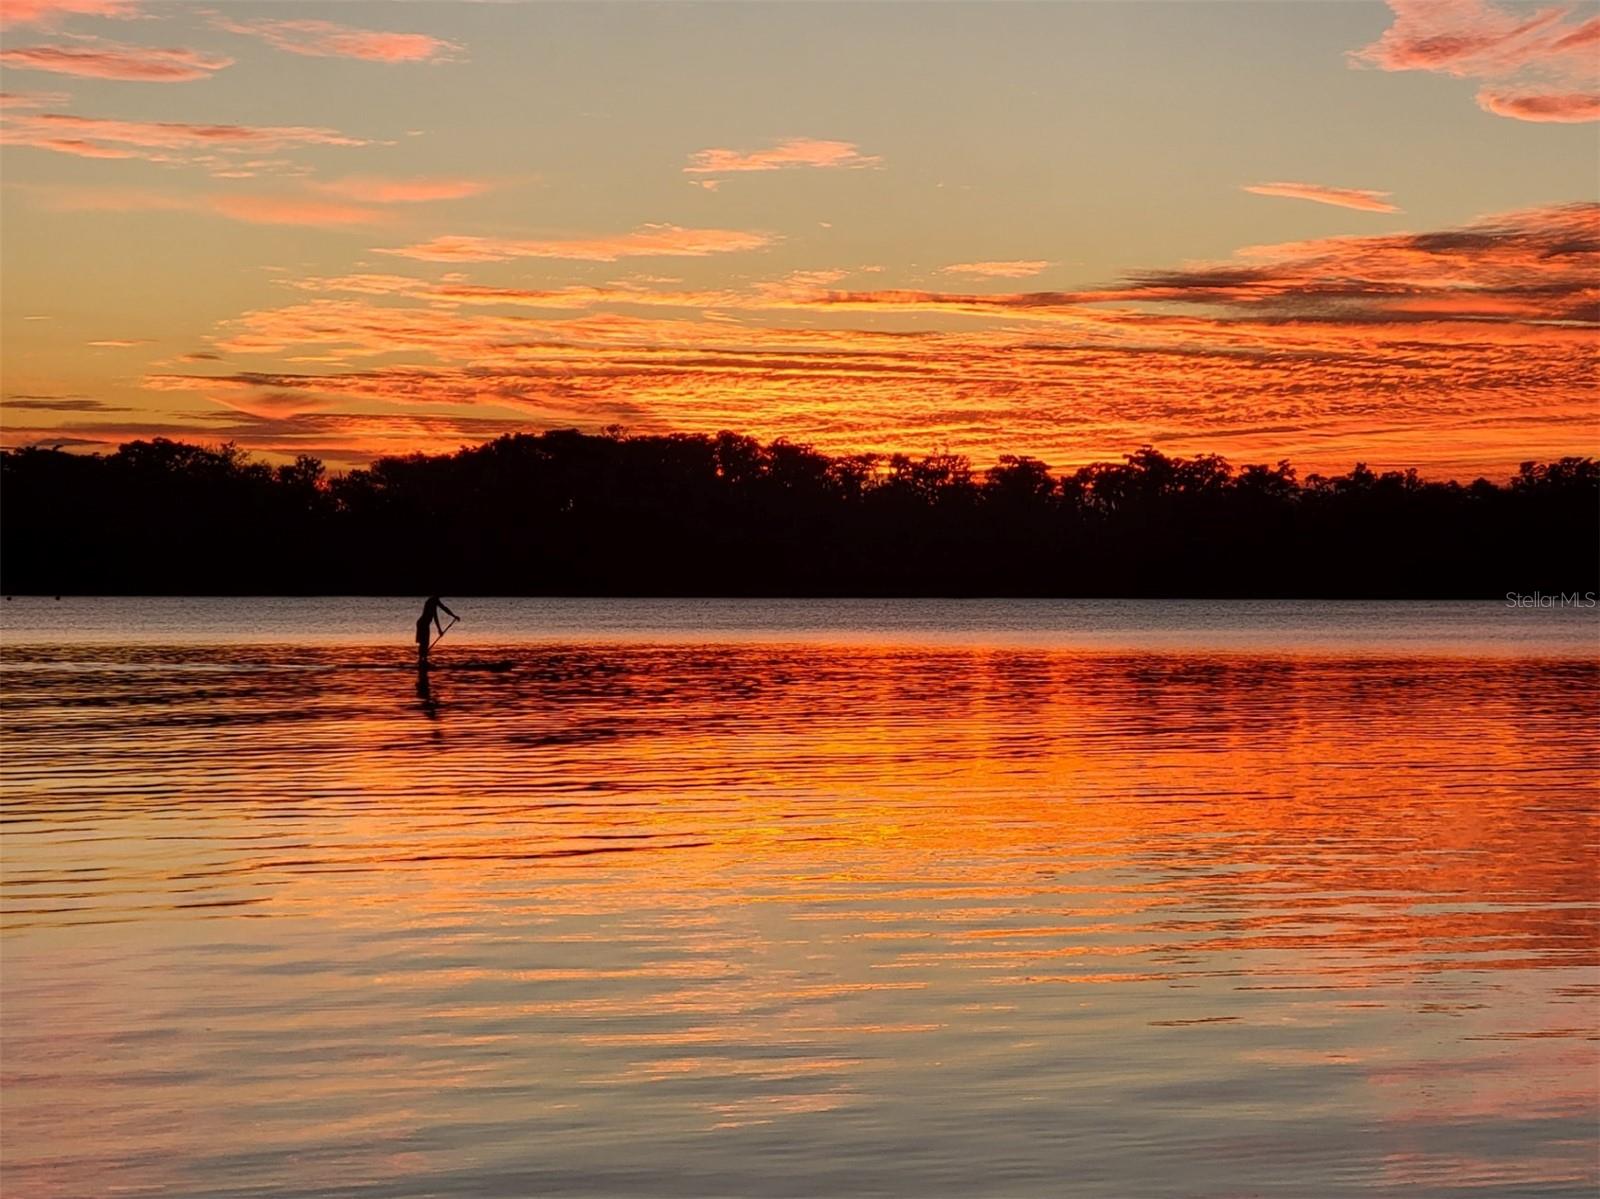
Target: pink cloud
(325, 39)
(50, 12)
(112, 60)
(667, 241)
(368, 189)
(1463, 38)
(1020, 269)
(1567, 108)
(789, 153)
(1550, 62)
(1342, 197)
(1587, 34)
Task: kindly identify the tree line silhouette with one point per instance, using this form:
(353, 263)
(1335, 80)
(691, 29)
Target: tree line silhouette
(565, 513)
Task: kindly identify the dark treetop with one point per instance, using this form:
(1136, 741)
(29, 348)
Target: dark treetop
(566, 513)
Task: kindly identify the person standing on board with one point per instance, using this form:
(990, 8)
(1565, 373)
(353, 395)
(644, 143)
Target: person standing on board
(430, 616)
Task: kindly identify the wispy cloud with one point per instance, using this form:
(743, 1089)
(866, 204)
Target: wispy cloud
(785, 155)
(341, 203)
(453, 291)
(1342, 197)
(1534, 270)
(254, 209)
(1463, 348)
(325, 39)
(292, 210)
(61, 404)
(96, 59)
(371, 189)
(1545, 67)
(31, 101)
(1020, 269)
(156, 141)
(52, 12)
(648, 241)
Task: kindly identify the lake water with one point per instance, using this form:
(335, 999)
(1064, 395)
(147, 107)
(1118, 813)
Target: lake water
(712, 898)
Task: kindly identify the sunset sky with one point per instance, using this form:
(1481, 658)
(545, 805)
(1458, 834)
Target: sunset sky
(1327, 232)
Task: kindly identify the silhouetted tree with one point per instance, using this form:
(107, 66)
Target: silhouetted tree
(564, 512)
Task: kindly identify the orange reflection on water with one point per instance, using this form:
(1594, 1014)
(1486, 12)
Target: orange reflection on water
(605, 911)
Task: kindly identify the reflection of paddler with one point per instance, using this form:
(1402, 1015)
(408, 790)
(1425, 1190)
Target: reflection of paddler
(430, 617)
(429, 705)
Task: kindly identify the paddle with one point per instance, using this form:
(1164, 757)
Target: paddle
(442, 632)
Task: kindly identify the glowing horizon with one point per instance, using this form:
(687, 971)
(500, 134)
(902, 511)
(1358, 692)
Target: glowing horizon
(1323, 233)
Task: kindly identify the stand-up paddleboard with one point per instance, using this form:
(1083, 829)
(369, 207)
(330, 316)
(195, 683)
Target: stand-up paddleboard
(488, 665)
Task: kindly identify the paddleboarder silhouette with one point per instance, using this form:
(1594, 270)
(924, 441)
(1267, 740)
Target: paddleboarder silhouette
(430, 616)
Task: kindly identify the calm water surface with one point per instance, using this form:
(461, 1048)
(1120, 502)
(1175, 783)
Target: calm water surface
(703, 898)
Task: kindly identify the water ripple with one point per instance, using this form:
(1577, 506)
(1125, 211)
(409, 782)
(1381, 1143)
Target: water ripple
(734, 917)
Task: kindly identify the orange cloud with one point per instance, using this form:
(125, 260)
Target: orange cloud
(789, 153)
(999, 270)
(156, 141)
(1463, 408)
(325, 39)
(797, 290)
(50, 12)
(1548, 258)
(645, 242)
(452, 291)
(373, 190)
(1532, 273)
(112, 60)
(1570, 107)
(1534, 266)
(281, 210)
(1551, 62)
(1462, 350)
(798, 283)
(172, 134)
(1342, 197)
(251, 209)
